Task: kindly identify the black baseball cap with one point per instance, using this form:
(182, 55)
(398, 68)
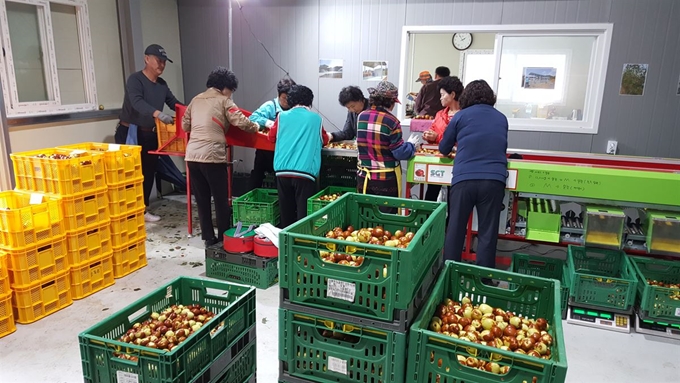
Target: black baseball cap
(158, 51)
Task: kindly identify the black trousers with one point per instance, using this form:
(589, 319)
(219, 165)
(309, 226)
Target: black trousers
(293, 195)
(387, 188)
(264, 163)
(148, 140)
(210, 180)
(432, 192)
(487, 197)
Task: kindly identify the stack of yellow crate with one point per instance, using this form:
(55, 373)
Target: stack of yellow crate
(34, 269)
(6, 315)
(125, 191)
(76, 177)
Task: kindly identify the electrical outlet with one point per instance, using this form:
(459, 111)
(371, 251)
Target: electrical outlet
(611, 146)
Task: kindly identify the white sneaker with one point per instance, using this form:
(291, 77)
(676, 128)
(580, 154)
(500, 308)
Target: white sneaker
(148, 217)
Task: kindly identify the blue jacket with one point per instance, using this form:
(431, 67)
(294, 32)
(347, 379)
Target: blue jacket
(299, 139)
(481, 132)
(266, 111)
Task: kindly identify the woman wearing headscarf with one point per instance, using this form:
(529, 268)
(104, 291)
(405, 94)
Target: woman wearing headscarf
(380, 144)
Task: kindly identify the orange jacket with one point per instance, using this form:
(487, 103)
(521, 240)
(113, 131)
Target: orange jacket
(441, 121)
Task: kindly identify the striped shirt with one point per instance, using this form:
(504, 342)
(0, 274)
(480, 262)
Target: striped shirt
(378, 134)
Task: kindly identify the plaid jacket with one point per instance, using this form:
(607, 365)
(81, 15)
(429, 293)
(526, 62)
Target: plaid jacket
(378, 133)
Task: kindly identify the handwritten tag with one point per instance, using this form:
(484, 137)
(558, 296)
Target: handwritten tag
(36, 199)
(114, 147)
(337, 365)
(168, 292)
(341, 290)
(126, 377)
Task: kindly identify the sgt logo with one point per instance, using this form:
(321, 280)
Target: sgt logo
(437, 173)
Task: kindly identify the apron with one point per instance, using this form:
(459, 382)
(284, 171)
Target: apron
(396, 170)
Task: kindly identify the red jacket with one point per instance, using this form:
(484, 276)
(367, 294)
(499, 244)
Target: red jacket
(441, 121)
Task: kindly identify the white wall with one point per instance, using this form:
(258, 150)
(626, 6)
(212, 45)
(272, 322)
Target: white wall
(160, 25)
(435, 49)
(110, 88)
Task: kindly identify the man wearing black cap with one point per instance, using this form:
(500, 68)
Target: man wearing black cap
(145, 94)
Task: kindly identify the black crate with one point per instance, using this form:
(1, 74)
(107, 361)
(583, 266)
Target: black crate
(216, 251)
(223, 363)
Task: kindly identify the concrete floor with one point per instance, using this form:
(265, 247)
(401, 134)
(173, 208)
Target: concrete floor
(47, 351)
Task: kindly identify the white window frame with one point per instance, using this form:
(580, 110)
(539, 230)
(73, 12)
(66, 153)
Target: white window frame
(463, 60)
(7, 73)
(596, 77)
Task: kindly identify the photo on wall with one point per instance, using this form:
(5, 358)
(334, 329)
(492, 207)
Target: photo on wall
(330, 68)
(374, 70)
(633, 79)
(539, 77)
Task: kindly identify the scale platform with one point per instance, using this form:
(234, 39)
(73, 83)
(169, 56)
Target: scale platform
(648, 327)
(601, 319)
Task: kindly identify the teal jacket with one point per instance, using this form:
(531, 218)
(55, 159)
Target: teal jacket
(299, 137)
(266, 111)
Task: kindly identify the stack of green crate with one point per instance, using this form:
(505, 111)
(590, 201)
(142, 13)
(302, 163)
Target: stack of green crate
(222, 351)
(344, 323)
(434, 357)
(338, 171)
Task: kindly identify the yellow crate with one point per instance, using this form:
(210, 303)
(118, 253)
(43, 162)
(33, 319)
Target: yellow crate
(23, 223)
(91, 277)
(88, 243)
(128, 258)
(126, 197)
(41, 299)
(122, 163)
(4, 274)
(37, 263)
(42, 171)
(7, 325)
(85, 209)
(170, 137)
(128, 228)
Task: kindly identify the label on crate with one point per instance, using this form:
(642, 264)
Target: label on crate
(341, 290)
(168, 292)
(36, 198)
(114, 147)
(677, 312)
(336, 365)
(126, 377)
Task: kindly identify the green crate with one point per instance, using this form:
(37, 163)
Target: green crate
(544, 267)
(235, 308)
(373, 356)
(262, 278)
(656, 302)
(256, 207)
(314, 204)
(433, 357)
(242, 369)
(543, 224)
(389, 277)
(236, 364)
(601, 278)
